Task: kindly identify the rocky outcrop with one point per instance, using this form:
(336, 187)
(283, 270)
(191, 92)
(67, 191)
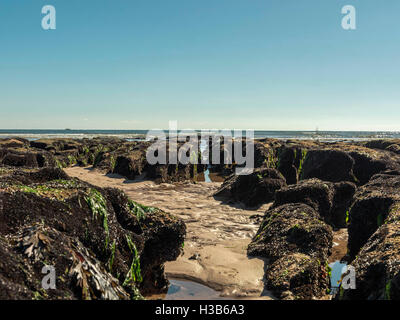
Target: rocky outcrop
(264, 155)
(25, 157)
(328, 165)
(297, 243)
(129, 163)
(377, 265)
(15, 142)
(254, 189)
(110, 155)
(392, 145)
(289, 162)
(331, 200)
(298, 277)
(84, 152)
(292, 228)
(101, 244)
(334, 162)
(341, 203)
(368, 162)
(371, 206)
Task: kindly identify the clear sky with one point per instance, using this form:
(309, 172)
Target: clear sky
(261, 64)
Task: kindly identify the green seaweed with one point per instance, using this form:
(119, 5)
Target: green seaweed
(271, 161)
(134, 274)
(98, 206)
(71, 160)
(113, 163)
(387, 290)
(302, 159)
(112, 256)
(328, 269)
(59, 164)
(347, 216)
(139, 210)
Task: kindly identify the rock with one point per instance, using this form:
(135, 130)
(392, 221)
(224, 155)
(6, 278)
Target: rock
(366, 166)
(342, 201)
(254, 189)
(377, 266)
(56, 144)
(286, 165)
(290, 158)
(370, 208)
(392, 145)
(24, 157)
(395, 148)
(298, 277)
(297, 245)
(264, 155)
(331, 200)
(28, 176)
(13, 143)
(313, 192)
(328, 165)
(102, 244)
(292, 228)
(368, 162)
(335, 162)
(163, 236)
(131, 165)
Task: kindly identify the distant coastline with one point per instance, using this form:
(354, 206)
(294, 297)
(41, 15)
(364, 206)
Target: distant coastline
(34, 134)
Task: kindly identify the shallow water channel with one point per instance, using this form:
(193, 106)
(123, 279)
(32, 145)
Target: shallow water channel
(190, 290)
(338, 268)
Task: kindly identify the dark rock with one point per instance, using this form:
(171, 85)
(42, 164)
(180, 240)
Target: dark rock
(370, 208)
(14, 143)
(313, 192)
(130, 165)
(264, 155)
(342, 201)
(253, 189)
(297, 245)
(21, 157)
(292, 228)
(297, 277)
(331, 200)
(392, 145)
(377, 266)
(102, 245)
(328, 165)
(366, 166)
(286, 165)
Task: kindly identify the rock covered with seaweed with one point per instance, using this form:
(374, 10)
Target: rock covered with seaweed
(101, 244)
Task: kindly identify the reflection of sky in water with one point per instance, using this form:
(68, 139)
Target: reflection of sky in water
(336, 274)
(189, 290)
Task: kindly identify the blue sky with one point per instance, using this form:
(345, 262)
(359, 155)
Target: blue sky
(261, 64)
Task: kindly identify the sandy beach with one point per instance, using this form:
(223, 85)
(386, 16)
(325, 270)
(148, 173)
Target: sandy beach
(217, 233)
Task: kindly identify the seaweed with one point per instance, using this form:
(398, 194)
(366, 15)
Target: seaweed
(302, 159)
(112, 256)
(134, 274)
(139, 210)
(98, 206)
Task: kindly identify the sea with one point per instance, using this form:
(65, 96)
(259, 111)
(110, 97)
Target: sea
(132, 135)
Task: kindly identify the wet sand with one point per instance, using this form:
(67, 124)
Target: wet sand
(339, 248)
(217, 233)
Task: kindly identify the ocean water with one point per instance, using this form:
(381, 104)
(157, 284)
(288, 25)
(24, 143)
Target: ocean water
(258, 134)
